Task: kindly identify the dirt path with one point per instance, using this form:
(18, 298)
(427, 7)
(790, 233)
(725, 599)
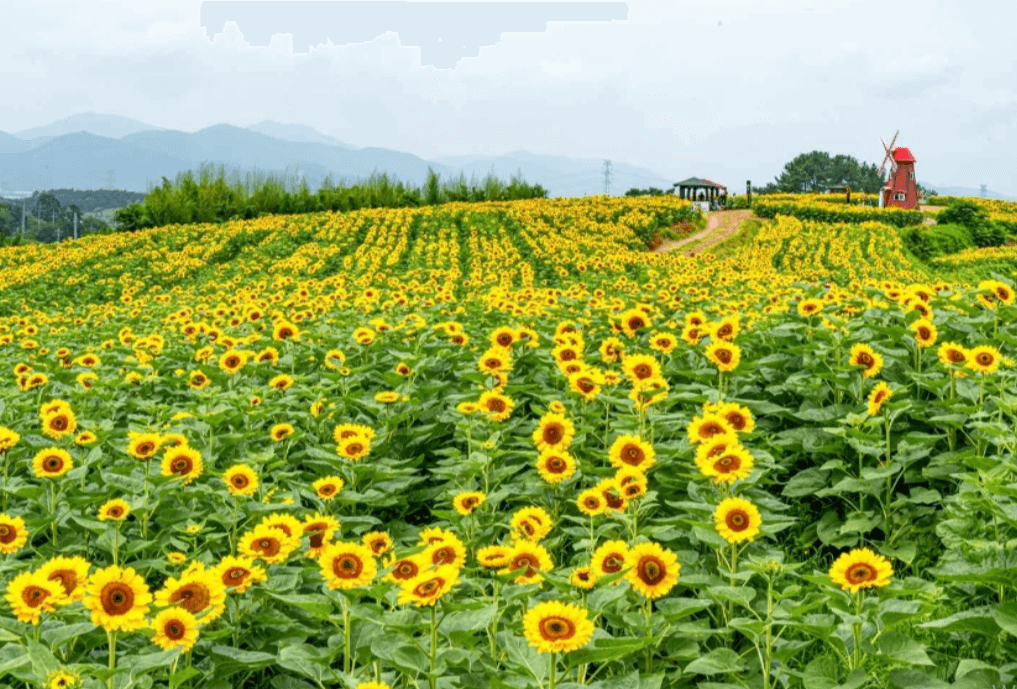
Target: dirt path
(720, 225)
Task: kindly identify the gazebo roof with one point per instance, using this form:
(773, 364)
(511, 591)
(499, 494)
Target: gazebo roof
(699, 182)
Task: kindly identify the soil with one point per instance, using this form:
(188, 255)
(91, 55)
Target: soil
(720, 225)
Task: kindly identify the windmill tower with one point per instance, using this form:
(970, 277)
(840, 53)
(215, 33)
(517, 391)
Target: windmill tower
(901, 189)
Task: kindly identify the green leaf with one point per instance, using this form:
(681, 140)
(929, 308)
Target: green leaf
(805, 483)
(181, 676)
(60, 635)
(716, 662)
(1005, 616)
(903, 649)
(397, 651)
(140, 664)
(315, 603)
(468, 620)
(303, 659)
(43, 661)
(674, 609)
(607, 648)
(524, 655)
(979, 621)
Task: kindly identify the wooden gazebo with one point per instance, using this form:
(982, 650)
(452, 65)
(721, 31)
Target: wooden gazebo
(700, 189)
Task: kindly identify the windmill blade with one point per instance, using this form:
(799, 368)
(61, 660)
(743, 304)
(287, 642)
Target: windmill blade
(887, 156)
(894, 140)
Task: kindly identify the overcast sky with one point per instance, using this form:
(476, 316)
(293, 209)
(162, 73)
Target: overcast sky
(725, 89)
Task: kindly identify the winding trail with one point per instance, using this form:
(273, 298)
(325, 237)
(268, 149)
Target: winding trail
(720, 225)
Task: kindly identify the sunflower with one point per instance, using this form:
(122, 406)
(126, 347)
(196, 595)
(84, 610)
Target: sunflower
(640, 368)
(175, 628)
(586, 383)
(183, 462)
(269, 354)
(631, 483)
(952, 354)
(611, 349)
(983, 359)
(70, 572)
(925, 332)
(232, 361)
(387, 397)
(653, 570)
(143, 445)
(706, 427)
(59, 422)
(591, 502)
(239, 573)
(864, 355)
(449, 551)
(879, 394)
(726, 329)
(281, 382)
(346, 431)
(285, 331)
(583, 578)
(709, 450)
(346, 565)
(13, 534)
(334, 359)
(467, 408)
(280, 432)
(494, 556)
(86, 379)
(51, 463)
(632, 321)
(241, 480)
(861, 569)
(328, 487)
(378, 541)
(403, 569)
(554, 432)
(465, 503)
(114, 510)
(724, 355)
(268, 543)
(663, 342)
(199, 380)
(495, 405)
(609, 559)
(30, 594)
(354, 449)
(62, 679)
(528, 560)
(434, 534)
(8, 439)
(531, 523)
(289, 525)
(176, 558)
(737, 416)
(632, 451)
(199, 592)
(565, 353)
(556, 466)
(729, 466)
(737, 520)
(319, 529)
(118, 599)
(427, 588)
(555, 627)
(809, 307)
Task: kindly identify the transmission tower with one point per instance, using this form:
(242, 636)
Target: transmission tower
(985, 188)
(607, 177)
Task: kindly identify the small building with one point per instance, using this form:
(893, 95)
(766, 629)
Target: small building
(701, 189)
(901, 189)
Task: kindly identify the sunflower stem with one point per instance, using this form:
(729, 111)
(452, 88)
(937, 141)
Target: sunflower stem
(116, 541)
(856, 630)
(347, 643)
(233, 537)
(647, 613)
(111, 638)
(144, 515)
(431, 678)
(553, 677)
(52, 509)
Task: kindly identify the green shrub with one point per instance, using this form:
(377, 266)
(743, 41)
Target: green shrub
(938, 240)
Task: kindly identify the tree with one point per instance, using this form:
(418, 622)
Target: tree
(46, 205)
(817, 171)
(6, 221)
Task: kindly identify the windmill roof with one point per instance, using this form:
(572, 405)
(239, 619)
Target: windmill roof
(903, 155)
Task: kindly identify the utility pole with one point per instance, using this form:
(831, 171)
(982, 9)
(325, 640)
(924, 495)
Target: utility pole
(22, 217)
(607, 177)
(75, 224)
(53, 220)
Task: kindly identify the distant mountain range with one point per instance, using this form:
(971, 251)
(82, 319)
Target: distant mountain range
(95, 151)
(92, 151)
(967, 191)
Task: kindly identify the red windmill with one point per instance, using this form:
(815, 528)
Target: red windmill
(900, 190)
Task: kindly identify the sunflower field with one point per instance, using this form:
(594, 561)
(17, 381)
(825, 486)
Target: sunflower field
(503, 445)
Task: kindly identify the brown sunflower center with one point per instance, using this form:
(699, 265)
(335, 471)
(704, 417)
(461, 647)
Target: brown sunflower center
(737, 520)
(58, 423)
(7, 533)
(182, 465)
(865, 359)
(984, 358)
(568, 355)
(235, 575)
(53, 463)
(727, 464)
(591, 502)
(724, 355)
(724, 331)
(924, 333)
(354, 448)
(426, 589)
(710, 429)
(34, 596)
(193, 597)
(613, 563)
(405, 569)
(268, 546)
(117, 598)
(68, 578)
(553, 433)
(115, 512)
(861, 572)
(633, 455)
(557, 628)
(496, 405)
(347, 566)
(651, 570)
(174, 630)
(736, 420)
(635, 323)
(556, 465)
(470, 502)
(956, 356)
(240, 481)
(326, 490)
(643, 371)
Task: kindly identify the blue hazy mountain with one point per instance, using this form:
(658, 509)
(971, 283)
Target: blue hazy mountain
(112, 126)
(298, 133)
